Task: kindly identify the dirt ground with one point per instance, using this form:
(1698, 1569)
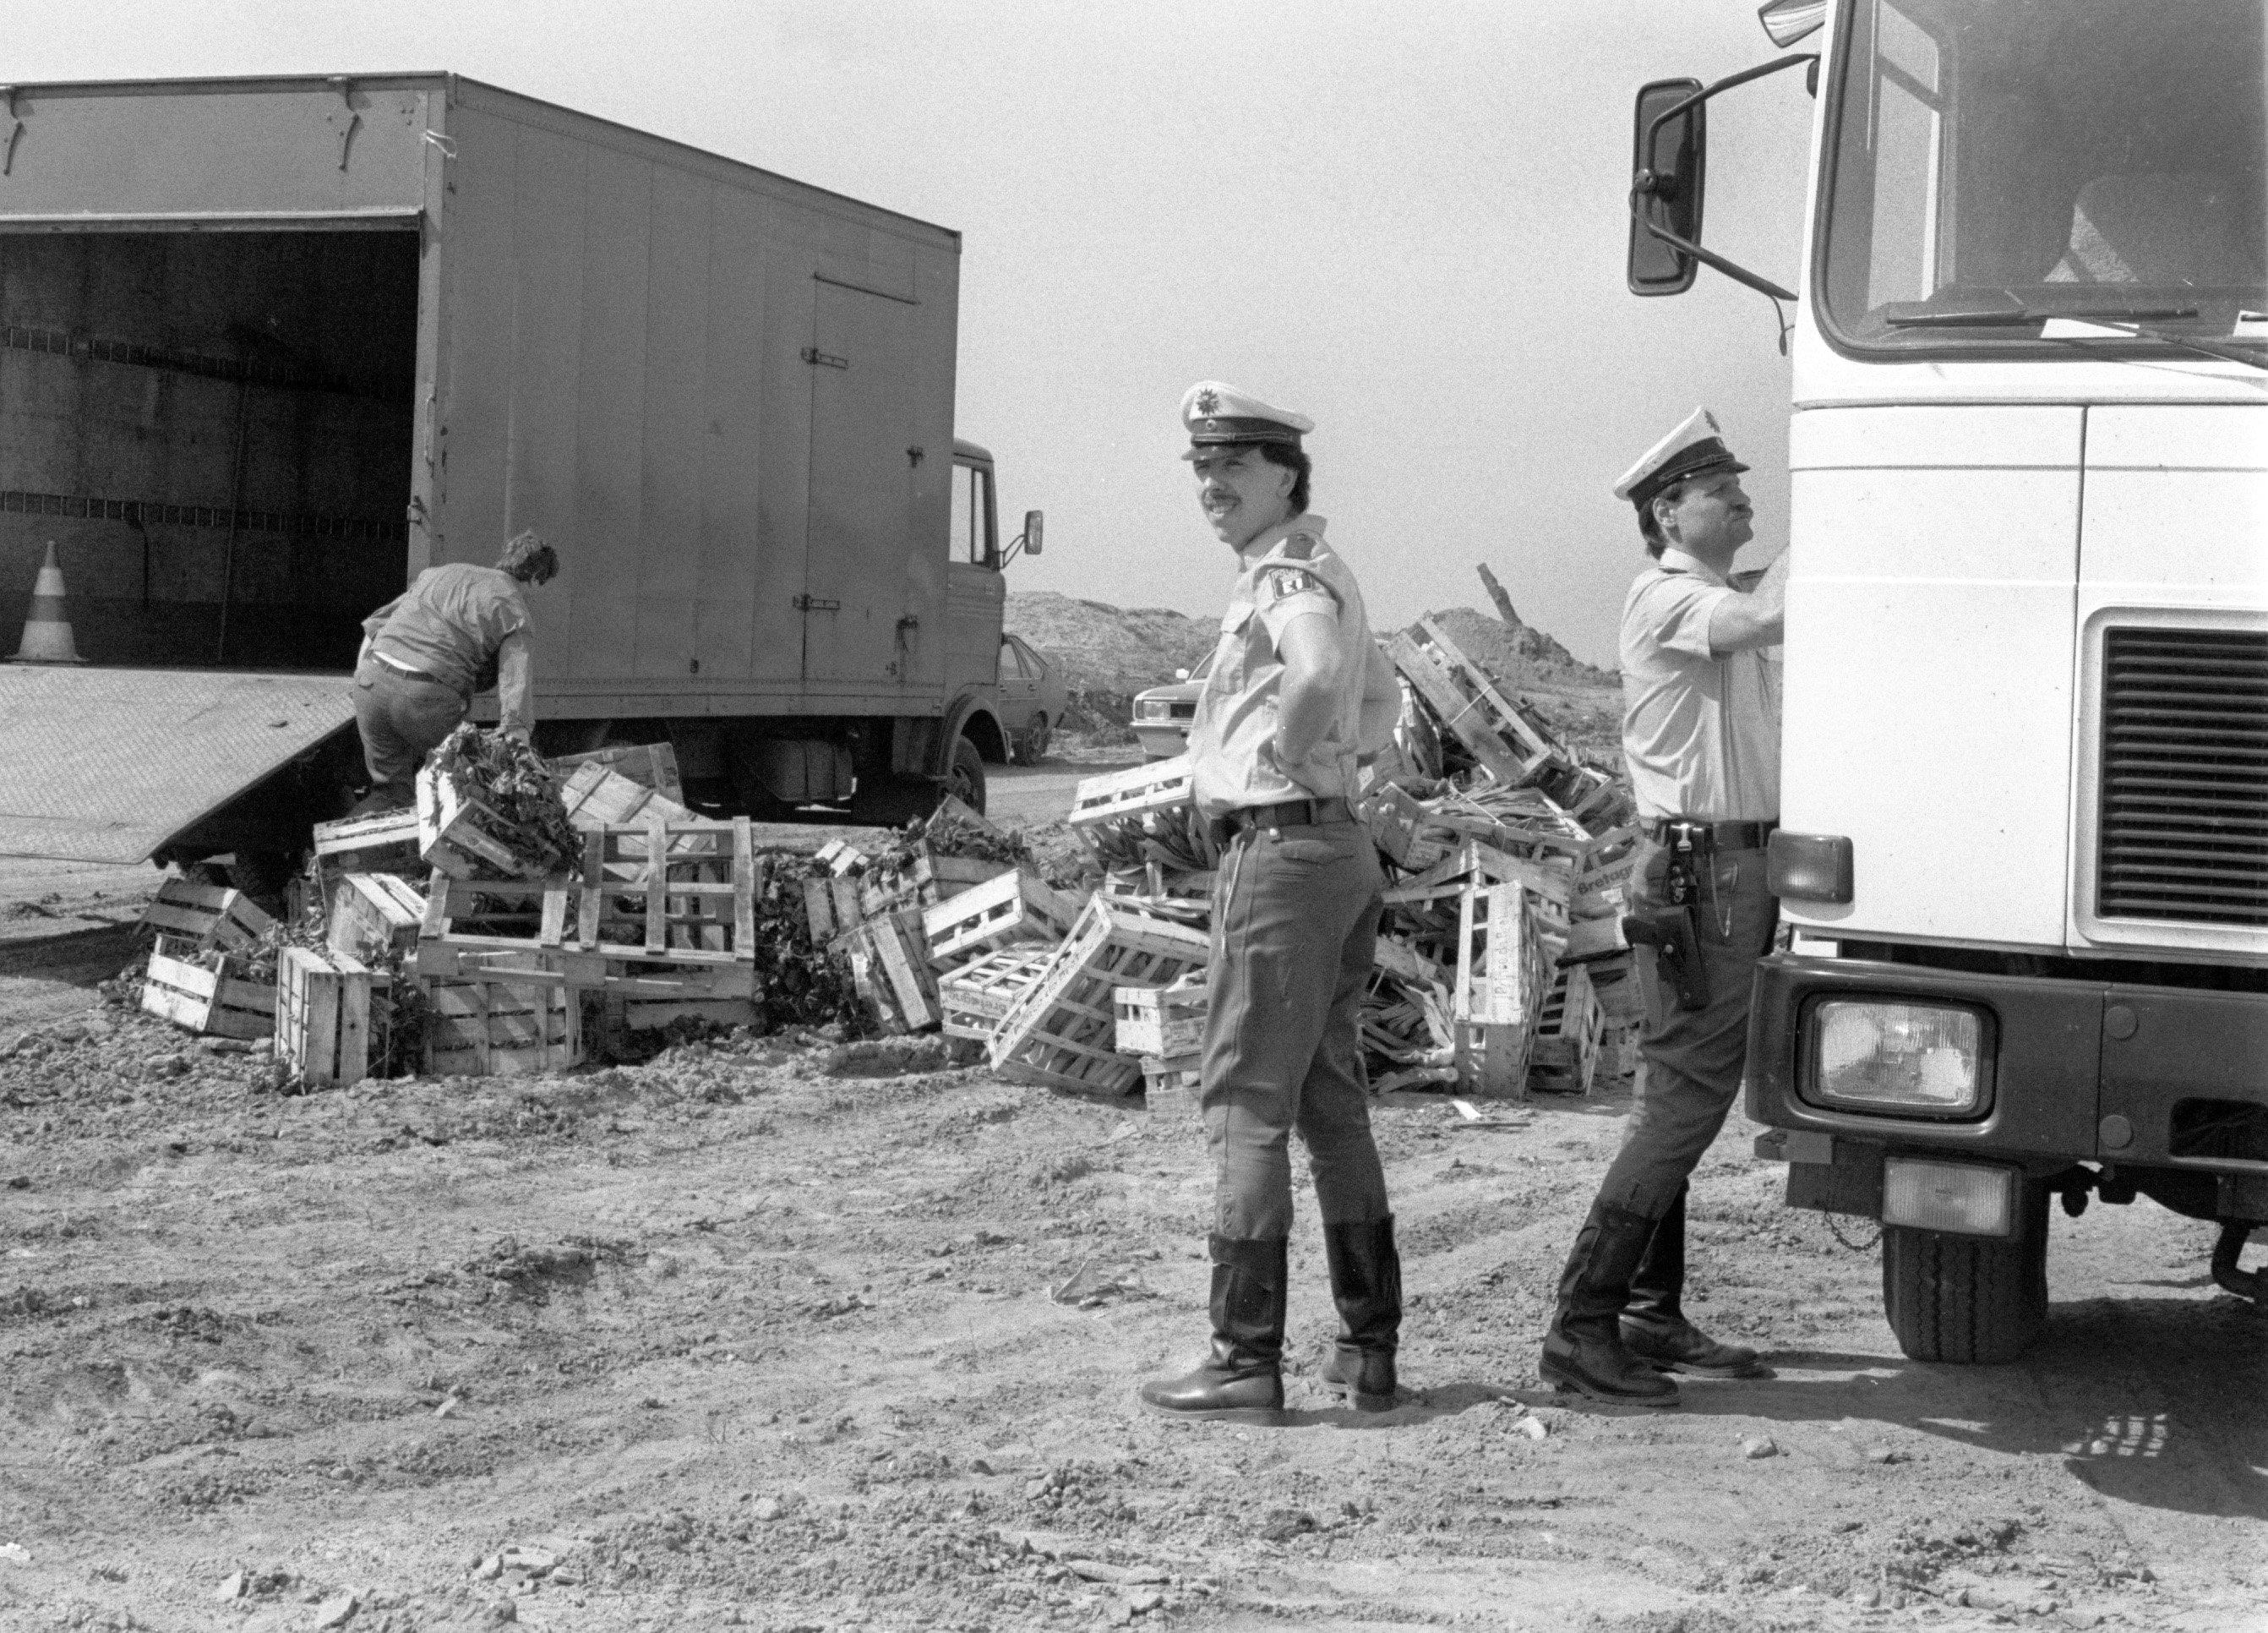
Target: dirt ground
(791, 1333)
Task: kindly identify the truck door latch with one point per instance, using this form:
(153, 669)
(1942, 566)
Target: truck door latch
(813, 603)
(817, 358)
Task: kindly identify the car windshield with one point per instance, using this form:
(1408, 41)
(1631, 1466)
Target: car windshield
(2103, 160)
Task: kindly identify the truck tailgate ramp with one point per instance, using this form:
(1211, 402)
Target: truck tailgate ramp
(104, 766)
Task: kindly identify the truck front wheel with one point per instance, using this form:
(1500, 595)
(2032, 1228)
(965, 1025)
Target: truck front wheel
(966, 782)
(1971, 1300)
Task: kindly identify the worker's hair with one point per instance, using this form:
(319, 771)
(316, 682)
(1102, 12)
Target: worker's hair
(529, 559)
(1293, 458)
(1651, 528)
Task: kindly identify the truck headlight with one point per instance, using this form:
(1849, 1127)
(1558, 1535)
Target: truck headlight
(1881, 1055)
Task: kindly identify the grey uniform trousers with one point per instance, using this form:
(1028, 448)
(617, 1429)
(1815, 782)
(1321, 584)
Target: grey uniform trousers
(1694, 1058)
(1294, 933)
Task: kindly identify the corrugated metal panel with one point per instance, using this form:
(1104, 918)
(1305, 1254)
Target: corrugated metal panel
(106, 766)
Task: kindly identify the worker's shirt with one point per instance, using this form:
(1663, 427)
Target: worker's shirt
(450, 624)
(1700, 732)
(1289, 571)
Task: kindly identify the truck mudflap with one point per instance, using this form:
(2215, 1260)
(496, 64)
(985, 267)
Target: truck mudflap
(110, 766)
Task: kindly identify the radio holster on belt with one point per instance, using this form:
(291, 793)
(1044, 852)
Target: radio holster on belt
(1673, 931)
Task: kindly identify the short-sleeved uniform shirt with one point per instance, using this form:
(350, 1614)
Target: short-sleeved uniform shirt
(1701, 733)
(451, 623)
(1289, 571)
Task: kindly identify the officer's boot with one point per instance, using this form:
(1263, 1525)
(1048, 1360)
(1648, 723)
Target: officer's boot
(1242, 1378)
(1366, 1287)
(1584, 1350)
(1654, 1328)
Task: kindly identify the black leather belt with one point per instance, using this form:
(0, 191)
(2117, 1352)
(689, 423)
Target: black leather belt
(1290, 814)
(1724, 836)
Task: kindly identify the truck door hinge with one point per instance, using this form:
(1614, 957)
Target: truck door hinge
(813, 603)
(817, 358)
(15, 133)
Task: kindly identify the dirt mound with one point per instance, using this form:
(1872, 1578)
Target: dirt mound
(1520, 652)
(1098, 647)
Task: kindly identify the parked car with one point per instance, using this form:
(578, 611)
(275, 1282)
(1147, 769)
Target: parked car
(1032, 699)
(1162, 714)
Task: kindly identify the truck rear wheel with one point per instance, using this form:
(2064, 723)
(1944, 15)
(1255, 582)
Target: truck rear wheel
(1970, 1300)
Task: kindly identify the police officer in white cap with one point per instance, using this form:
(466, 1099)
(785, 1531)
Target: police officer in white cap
(1298, 697)
(1701, 735)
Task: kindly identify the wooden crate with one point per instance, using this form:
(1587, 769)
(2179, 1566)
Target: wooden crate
(973, 998)
(830, 908)
(646, 1014)
(1397, 823)
(322, 1015)
(889, 963)
(1163, 1022)
(1565, 1059)
(1498, 988)
(1173, 1084)
(649, 765)
(204, 993)
(373, 915)
(923, 881)
(463, 837)
(207, 915)
(387, 840)
(599, 796)
(1139, 790)
(1493, 728)
(1164, 892)
(1003, 911)
(1062, 1032)
(501, 1028)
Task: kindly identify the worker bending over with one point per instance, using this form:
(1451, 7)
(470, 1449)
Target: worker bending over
(457, 630)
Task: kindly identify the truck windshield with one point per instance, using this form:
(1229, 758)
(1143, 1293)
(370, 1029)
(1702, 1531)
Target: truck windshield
(1997, 163)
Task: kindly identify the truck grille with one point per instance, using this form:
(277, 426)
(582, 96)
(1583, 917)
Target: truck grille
(2183, 831)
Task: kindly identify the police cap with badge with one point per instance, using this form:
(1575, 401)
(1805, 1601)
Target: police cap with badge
(1216, 413)
(1696, 448)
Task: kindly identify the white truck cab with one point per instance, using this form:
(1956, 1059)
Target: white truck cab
(2024, 841)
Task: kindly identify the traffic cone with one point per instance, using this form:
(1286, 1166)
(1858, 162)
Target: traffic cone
(47, 631)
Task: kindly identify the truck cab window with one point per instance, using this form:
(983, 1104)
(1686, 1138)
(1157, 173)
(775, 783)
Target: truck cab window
(973, 537)
(1994, 162)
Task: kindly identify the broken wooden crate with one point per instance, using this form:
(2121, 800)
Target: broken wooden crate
(323, 1014)
(1162, 1022)
(207, 916)
(466, 837)
(1493, 729)
(1164, 892)
(1012, 908)
(1497, 994)
(598, 796)
(889, 964)
(1159, 786)
(651, 765)
(973, 997)
(923, 879)
(496, 1026)
(830, 908)
(387, 840)
(1062, 1032)
(1565, 1057)
(374, 916)
(206, 993)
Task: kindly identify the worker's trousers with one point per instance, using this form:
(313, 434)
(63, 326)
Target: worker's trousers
(402, 719)
(1295, 916)
(1694, 1058)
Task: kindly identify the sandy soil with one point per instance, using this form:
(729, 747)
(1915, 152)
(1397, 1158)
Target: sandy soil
(790, 1334)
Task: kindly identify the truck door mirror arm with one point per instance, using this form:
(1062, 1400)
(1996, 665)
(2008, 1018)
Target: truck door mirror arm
(1665, 199)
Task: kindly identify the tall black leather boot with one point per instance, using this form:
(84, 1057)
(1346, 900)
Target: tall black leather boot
(1243, 1379)
(1583, 1350)
(1366, 1287)
(1653, 1326)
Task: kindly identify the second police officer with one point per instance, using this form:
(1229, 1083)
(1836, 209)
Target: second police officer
(1298, 697)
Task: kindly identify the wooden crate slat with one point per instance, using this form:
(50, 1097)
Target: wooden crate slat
(322, 1015)
(1161, 785)
(365, 836)
(1010, 908)
(1061, 1030)
(373, 914)
(1160, 1021)
(210, 915)
(486, 1027)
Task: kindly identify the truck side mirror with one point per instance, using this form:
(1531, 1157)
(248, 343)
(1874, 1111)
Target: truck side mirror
(1667, 166)
(1035, 522)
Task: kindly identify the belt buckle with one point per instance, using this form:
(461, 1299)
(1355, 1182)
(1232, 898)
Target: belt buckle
(1699, 838)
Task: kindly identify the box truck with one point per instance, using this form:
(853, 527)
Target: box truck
(268, 348)
(2024, 851)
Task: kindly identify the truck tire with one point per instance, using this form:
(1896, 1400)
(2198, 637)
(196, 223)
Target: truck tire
(1970, 1300)
(966, 782)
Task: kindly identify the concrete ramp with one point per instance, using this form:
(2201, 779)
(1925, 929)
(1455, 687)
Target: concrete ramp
(106, 766)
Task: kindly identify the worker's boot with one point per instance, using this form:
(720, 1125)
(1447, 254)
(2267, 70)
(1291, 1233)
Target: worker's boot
(1583, 1350)
(1366, 1287)
(1654, 1328)
(1243, 1379)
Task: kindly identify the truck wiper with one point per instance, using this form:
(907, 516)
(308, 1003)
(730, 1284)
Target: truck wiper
(2128, 320)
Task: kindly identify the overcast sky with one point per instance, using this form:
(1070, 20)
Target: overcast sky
(1405, 221)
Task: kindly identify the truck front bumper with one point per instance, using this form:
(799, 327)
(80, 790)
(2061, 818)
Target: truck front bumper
(2129, 1076)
